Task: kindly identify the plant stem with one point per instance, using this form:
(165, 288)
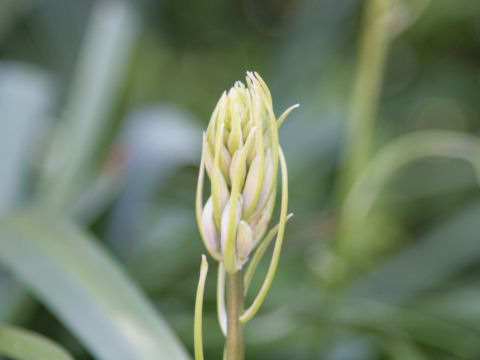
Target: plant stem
(235, 347)
(197, 325)
(372, 54)
(383, 165)
(252, 309)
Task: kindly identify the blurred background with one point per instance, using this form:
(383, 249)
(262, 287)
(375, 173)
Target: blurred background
(102, 104)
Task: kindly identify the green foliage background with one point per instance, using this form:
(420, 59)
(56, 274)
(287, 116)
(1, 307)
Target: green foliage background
(102, 104)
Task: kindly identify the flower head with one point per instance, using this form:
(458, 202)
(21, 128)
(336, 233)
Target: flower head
(240, 154)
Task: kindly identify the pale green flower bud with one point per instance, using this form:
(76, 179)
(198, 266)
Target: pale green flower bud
(240, 155)
(244, 240)
(208, 159)
(267, 186)
(220, 194)
(225, 160)
(227, 220)
(210, 232)
(250, 188)
(238, 167)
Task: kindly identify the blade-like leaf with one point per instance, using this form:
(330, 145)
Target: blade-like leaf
(77, 280)
(27, 94)
(25, 345)
(102, 67)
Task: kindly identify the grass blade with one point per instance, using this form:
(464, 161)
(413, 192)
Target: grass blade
(86, 289)
(25, 345)
(104, 58)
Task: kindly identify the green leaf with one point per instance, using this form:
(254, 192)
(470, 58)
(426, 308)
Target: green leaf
(99, 77)
(26, 97)
(392, 157)
(27, 94)
(25, 345)
(78, 281)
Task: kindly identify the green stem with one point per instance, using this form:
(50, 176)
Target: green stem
(252, 310)
(235, 346)
(367, 86)
(383, 165)
(197, 325)
(257, 256)
(221, 310)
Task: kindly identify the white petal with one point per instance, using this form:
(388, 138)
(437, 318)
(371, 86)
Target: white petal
(208, 159)
(221, 191)
(244, 240)
(210, 232)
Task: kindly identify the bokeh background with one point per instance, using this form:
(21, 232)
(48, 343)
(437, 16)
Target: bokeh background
(102, 104)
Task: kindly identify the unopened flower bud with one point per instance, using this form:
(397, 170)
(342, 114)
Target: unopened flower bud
(220, 195)
(208, 159)
(240, 155)
(244, 240)
(227, 220)
(225, 159)
(238, 167)
(251, 183)
(267, 186)
(210, 232)
(261, 221)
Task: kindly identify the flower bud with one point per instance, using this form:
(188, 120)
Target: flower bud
(210, 232)
(244, 240)
(251, 183)
(238, 167)
(267, 186)
(220, 194)
(225, 159)
(226, 220)
(240, 155)
(261, 221)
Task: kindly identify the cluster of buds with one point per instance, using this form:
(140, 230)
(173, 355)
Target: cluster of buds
(240, 155)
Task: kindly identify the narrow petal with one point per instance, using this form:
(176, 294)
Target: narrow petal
(267, 180)
(250, 188)
(238, 168)
(226, 221)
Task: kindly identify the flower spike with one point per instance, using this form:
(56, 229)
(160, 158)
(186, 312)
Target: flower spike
(240, 156)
